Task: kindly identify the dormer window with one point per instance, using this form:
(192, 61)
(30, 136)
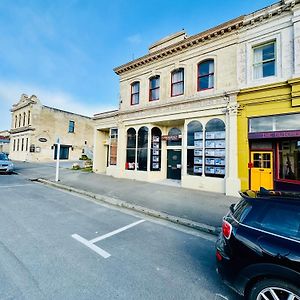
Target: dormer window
(135, 93)
(206, 75)
(177, 82)
(154, 85)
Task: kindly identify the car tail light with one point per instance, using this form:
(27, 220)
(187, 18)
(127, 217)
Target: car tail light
(219, 256)
(226, 229)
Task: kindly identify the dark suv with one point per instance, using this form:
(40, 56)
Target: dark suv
(258, 250)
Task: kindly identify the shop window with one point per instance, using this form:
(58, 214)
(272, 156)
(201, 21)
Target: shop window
(195, 148)
(275, 123)
(135, 93)
(177, 82)
(142, 149)
(206, 75)
(215, 148)
(264, 60)
(71, 126)
(289, 160)
(154, 86)
(131, 147)
(113, 146)
(155, 149)
(174, 137)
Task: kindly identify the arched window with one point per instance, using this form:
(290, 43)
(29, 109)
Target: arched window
(174, 137)
(154, 86)
(16, 121)
(215, 148)
(177, 82)
(206, 75)
(20, 120)
(131, 148)
(135, 93)
(142, 149)
(24, 119)
(155, 149)
(194, 148)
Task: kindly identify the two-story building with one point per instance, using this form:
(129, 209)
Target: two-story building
(35, 130)
(269, 99)
(178, 114)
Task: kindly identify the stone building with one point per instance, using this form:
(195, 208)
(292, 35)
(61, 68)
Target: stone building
(177, 119)
(35, 129)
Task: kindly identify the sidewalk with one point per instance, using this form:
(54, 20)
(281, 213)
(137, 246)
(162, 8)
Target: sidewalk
(205, 208)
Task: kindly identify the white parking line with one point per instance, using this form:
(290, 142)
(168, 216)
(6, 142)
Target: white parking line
(14, 185)
(90, 243)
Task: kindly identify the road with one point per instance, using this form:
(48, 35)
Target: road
(57, 245)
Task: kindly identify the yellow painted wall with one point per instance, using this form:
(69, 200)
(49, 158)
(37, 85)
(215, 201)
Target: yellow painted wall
(267, 100)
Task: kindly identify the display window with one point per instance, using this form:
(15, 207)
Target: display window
(131, 149)
(195, 148)
(215, 148)
(155, 149)
(113, 146)
(142, 149)
(289, 160)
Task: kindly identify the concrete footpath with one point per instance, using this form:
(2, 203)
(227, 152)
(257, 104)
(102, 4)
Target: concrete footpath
(196, 209)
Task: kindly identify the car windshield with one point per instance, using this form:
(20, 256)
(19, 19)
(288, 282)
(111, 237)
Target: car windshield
(3, 156)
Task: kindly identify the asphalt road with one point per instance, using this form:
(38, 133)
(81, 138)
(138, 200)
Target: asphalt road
(56, 245)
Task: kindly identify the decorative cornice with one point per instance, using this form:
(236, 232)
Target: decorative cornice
(24, 101)
(209, 35)
(21, 129)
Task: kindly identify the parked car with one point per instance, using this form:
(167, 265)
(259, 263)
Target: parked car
(258, 250)
(6, 166)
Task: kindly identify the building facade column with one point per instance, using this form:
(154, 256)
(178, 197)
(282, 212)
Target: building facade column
(232, 181)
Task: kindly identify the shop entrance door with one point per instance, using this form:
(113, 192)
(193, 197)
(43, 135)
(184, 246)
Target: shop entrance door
(174, 164)
(262, 170)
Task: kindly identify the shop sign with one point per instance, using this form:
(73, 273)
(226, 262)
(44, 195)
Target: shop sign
(171, 137)
(274, 134)
(43, 140)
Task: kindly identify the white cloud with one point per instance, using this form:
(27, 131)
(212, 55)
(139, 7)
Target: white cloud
(10, 93)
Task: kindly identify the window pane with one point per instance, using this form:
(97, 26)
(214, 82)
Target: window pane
(155, 164)
(177, 76)
(193, 127)
(142, 159)
(269, 69)
(177, 89)
(135, 87)
(143, 137)
(131, 138)
(289, 158)
(154, 82)
(268, 52)
(174, 132)
(287, 122)
(206, 68)
(130, 159)
(154, 94)
(215, 125)
(135, 98)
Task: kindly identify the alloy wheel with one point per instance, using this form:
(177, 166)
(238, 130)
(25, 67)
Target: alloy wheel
(276, 293)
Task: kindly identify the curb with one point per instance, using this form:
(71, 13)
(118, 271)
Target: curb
(120, 203)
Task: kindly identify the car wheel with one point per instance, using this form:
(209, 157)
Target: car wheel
(274, 289)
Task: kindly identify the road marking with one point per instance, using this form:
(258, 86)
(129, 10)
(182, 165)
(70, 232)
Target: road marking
(98, 250)
(15, 185)
(90, 245)
(100, 238)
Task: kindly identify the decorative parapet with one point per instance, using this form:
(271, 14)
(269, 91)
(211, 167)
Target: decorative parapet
(264, 14)
(24, 101)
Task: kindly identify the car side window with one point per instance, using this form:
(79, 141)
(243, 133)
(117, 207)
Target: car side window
(280, 219)
(241, 210)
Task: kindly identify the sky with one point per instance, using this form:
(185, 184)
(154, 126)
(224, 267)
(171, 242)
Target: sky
(64, 51)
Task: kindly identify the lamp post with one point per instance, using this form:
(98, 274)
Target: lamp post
(57, 159)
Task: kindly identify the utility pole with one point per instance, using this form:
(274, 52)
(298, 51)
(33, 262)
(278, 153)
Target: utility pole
(57, 159)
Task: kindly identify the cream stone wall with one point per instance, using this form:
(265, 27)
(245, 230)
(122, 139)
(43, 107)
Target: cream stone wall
(48, 124)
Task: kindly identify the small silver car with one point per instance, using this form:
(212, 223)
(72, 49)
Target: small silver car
(6, 165)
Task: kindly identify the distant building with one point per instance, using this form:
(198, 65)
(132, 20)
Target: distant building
(35, 129)
(4, 141)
